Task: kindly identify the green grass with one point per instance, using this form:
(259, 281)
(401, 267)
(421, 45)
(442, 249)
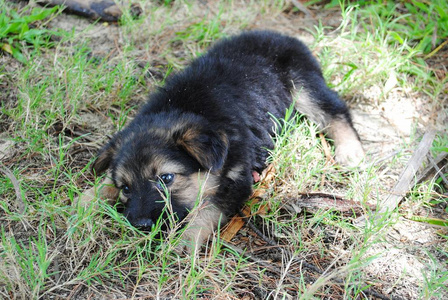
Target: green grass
(62, 96)
(18, 30)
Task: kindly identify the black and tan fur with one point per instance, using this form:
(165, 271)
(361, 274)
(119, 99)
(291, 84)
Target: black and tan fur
(203, 134)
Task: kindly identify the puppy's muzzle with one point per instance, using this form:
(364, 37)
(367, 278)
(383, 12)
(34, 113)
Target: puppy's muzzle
(143, 223)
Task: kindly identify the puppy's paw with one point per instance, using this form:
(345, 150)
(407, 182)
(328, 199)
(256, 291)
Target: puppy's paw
(190, 241)
(202, 222)
(86, 198)
(349, 153)
(349, 150)
(105, 190)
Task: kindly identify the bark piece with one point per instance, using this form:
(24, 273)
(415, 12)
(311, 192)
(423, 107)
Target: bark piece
(104, 10)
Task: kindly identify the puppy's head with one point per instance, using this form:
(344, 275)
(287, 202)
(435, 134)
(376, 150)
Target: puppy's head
(163, 165)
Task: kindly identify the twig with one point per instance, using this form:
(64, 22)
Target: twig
(16, 185)
(438, 162)
(107, 11)
(302, 8)
(438, 170)
(436, 50)
(326, 149)
(323, 200)
(406, 178)
(257, 231)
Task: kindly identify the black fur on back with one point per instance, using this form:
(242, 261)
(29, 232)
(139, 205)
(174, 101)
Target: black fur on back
(232, 91)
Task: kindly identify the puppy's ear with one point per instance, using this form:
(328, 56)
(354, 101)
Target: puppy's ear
(208, 147)
(105, 156)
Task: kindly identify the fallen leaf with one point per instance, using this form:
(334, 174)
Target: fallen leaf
(7, 48)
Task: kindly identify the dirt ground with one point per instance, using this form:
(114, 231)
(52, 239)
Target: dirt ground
(384, 126)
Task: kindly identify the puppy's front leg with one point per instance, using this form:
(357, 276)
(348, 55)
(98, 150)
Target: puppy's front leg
(203, 222)
(105, 190)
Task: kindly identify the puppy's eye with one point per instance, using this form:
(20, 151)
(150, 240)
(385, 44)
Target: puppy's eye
(125, 190)
(167, 178)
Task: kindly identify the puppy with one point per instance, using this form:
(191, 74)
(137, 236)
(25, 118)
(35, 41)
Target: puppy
(198, 139)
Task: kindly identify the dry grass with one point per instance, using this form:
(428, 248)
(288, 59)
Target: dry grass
(57, 110)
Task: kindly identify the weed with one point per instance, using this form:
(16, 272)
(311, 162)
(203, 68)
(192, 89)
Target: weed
(19, 27)
(422, 24)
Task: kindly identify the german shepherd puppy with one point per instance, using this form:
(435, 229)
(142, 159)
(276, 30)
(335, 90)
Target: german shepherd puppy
(198, 139)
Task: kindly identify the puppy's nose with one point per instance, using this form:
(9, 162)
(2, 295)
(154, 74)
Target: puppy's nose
(143, 223)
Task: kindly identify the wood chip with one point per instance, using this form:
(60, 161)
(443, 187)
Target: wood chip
(235, 224)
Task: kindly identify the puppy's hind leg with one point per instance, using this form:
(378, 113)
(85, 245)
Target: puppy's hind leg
(349, 151)
(331, 114)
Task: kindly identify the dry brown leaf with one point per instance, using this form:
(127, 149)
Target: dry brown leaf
(237, 222)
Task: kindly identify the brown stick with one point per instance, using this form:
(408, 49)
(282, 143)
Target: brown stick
(326, 149)
(437, 165)
(322, 200)
(407, 177)
(302, 8)
(105, 10)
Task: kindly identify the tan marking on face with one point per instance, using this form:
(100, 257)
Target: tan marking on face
(123, 176)
(349, 151)
(188, 190)
(150, 168)
(160, 165)
(122, 198)
(108, 190)
(235, 172)
(171, 167)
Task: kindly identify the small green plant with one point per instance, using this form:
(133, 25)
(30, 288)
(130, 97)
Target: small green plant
(203, 32)
(423, 24)
(17, 28)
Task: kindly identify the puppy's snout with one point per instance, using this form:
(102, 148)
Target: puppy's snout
(143, 223)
